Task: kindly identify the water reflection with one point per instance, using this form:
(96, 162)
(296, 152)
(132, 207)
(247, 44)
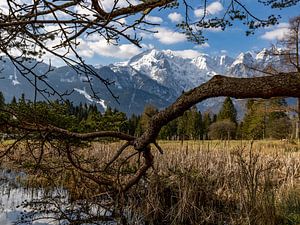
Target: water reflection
(27, 206)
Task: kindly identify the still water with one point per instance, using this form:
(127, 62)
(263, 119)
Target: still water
(27, 206)
(13, 199)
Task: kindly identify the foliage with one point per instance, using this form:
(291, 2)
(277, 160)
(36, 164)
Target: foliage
(227, 111)
(169, 131)
(222, 130)
(24, 30)
(149, 111)
(188, 126)
(266, 119)
(81, 118)
(2, 100)
(207, 121)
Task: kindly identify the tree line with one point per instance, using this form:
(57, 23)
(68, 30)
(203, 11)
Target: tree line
(262, 119)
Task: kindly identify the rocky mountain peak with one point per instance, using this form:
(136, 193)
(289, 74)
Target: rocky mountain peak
(151, 77)
(243, 58)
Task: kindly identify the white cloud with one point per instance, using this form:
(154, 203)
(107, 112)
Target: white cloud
(280, 31)
(120, 51)
(149, 46)
(96, 45)
(202, 46)
(153, 19)
(175, 17)
(187, 54)
(4, 7)
(146, 35)
(122, 21)
(84, 49)
(167, 36)
(211, 9)
(205, 45)
(283, 25)
(85, 11)
(214, 29)
(109, 4)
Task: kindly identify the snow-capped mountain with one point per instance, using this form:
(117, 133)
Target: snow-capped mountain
(152, 77)
(176, 72)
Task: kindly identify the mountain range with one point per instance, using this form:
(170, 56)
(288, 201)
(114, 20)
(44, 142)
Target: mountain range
(152, 77)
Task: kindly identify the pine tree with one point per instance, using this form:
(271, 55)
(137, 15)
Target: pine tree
(132, 124)
(266, 119)
(182, 126)
(205, 125)
(278, 124)
(13, 101)
(193, 123)
(254, 120)
(199, 125)
(22, 100)
(227, 111)
(149, 111)
(2, 100)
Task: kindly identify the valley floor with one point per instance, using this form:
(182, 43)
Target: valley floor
(202, 182)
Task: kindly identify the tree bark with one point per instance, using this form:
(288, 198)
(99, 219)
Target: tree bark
(281, 85)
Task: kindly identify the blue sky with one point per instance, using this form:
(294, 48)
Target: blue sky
(231, 41)
(95, 50)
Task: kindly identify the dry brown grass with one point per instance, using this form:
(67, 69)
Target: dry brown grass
(194, 182)
(217, 182)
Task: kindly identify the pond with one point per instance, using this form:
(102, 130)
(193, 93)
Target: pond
(13, 198)
(27, 206)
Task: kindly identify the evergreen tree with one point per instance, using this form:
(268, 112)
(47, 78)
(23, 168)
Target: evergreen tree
(277, 108)
(13, 101)
(206, 123)
(2, 100)
(199, 125)
(266, 119)
(149, 111)
(227, 111)
(138, 131)
(193, 123)
(278, 124)
(254, 120)
(214, 118)
(169, 131)
(132, 124)
(22, 100)
(182, 126)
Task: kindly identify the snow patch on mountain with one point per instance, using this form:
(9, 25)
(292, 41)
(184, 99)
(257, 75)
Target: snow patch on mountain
(90, 99)
(243, 58)
(155, 77)
(14, 78)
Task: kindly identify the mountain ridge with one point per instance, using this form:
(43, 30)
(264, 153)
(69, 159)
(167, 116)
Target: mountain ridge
(154, 77)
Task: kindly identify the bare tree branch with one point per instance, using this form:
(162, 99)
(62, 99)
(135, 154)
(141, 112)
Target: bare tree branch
(285, 84)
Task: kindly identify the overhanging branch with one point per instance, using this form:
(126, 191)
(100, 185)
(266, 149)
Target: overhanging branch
(284, 85)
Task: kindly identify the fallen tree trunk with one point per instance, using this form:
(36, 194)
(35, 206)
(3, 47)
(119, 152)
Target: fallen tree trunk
(281, 85)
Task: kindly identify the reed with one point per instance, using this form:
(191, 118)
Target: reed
(194, 182)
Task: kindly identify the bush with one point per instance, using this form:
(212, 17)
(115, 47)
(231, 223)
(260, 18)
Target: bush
(224, 129)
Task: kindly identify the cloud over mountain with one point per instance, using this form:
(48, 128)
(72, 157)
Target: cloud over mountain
(150, 77)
